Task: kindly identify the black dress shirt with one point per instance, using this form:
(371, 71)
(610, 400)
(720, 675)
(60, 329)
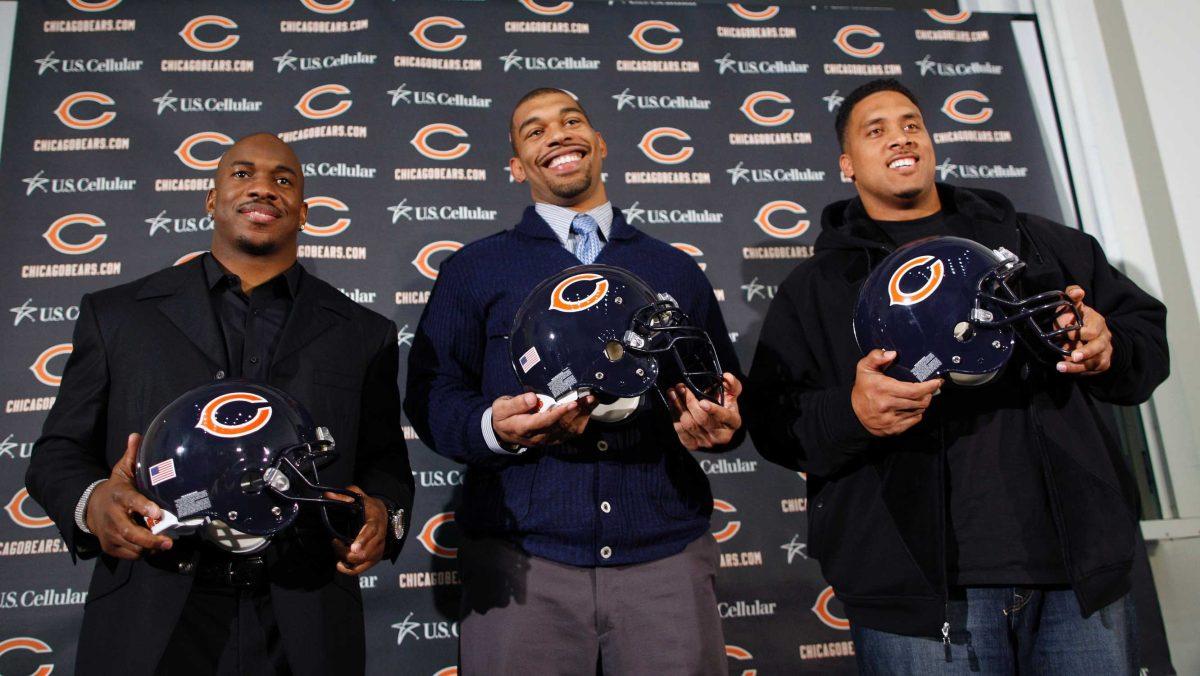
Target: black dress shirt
(251, 324)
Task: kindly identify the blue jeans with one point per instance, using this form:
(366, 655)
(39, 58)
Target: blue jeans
(1007, 630)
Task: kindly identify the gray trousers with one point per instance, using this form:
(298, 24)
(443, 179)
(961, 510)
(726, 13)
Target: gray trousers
(523, 614)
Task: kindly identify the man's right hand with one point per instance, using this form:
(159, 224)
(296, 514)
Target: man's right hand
(519, 422)
(884, 405)
(115, 512)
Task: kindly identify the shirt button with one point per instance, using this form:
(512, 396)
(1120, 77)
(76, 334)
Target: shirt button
(219, 375)
(253, 360)
(606, 552)
(602, 445)
(605, 507)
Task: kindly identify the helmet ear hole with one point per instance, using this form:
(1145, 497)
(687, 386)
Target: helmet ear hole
(963, 331)
(614, 350)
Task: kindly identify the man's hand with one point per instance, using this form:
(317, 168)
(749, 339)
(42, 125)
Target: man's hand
(1092, 347)
(519, 422)
(115, 510)
(884, 405)
(700, 423)
(371, 541)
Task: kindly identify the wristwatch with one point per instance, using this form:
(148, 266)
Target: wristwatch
(396, 522)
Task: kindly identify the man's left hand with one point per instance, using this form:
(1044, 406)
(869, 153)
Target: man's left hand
(368, 547)
(700, 423)
(1092, 346)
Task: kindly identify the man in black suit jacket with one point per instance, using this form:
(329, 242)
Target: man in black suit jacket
(247, 309)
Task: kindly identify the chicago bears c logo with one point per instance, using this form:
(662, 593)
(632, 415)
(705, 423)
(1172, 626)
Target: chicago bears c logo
(420, 141)
(209, 422)
(305, 105)
(842, 40)
(16, 511)
(763, 14)
(327, 7)
(740, 653)
(187, 145)
(782, 117)
(552, 10)
(421, 262)
(337, 227)
(647, 145)
(948, 18)
(189, 33)
(691, 250)
(100, 6)
(950, 107)
(64, 114)
(41, 365)
(638, 35)
(428, 536)
(558, 298)
(730, 528)
(418, 34)
(53, 234)
(188, 256)
(821, 609)
(31, 644)
(763, 219)
(446, 671)
(898, 296)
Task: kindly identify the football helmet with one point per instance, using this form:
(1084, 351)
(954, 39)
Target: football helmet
(598, 329)
(946, 306)
(235, 460)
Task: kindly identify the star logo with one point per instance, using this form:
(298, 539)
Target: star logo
(511, 60)
(738, 174)
(724, 63)
(926, 65)
(833, 100)
(47, 62)
(23, 311)
(947, 168)
(405, 337)
(795, 548)
(166, 101)
(159, 222)
(633, 214)
(286, 60)
(36, 182)
(401, 93)
(401, 210)
(754, 290)
(623, 99)
(406, 628)
(7, 446)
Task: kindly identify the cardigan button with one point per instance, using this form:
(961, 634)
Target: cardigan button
(606, 552)
(602, 445)
(606, 507)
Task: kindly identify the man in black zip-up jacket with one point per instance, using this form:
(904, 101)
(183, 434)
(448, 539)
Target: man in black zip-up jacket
(995, 520)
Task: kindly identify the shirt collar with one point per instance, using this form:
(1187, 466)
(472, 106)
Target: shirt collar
(559, 219)
(215, 273)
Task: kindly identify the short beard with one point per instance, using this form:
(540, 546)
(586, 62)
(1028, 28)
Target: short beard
(248, 247)
(908, 195)
(572, 190)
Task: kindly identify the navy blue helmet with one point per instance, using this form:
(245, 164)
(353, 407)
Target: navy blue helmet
(946, 306)
(601, 330)
(235, 460)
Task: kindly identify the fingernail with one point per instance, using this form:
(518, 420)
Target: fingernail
(530, 398)
(1062, 367)
(1077, 356)
(706, 404)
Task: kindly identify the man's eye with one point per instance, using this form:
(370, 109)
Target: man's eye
(284, 180)
(874, 132)
(535, 132)
(241, 173)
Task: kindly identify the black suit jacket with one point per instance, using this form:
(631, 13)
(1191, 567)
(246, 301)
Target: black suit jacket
(139, 346)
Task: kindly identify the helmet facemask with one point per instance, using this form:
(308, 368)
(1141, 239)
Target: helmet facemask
(661, 329)
(289, 478)
(1035, 316)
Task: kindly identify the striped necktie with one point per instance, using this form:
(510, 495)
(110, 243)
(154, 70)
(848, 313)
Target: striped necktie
(587, 238)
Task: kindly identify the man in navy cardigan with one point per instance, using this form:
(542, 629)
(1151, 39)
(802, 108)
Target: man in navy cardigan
(583, 543)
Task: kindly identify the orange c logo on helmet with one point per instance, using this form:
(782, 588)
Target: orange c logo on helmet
(678, 157)
(100, 6)
(422, 260)
(821, 609)
(337, 227)
(638, 35)
(691, 250)
(763, 14)
(188, 256)
(730, 528)
(748, 109)
(64, 114)
(208, 416)
(187, 145)
(901, 297)
(948, 18)
(842, 40)
(558, 298)
(327, 8)
(420, 141)
(560, 8)
(41, 365)
(189, 33)
(53, 234)
(428, 536)
(16, 510)
(31, 644)
(418, 34)
(305, 105)
(950, 107)
(763, 219)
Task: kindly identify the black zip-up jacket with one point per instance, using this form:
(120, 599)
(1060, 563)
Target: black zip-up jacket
(877, 514)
